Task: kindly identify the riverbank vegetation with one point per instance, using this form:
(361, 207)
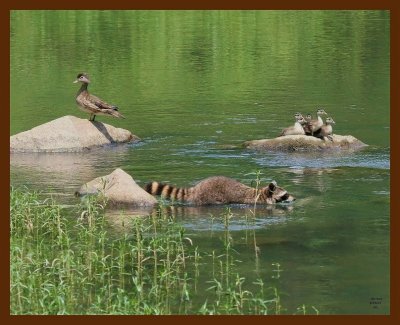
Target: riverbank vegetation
(64, 262)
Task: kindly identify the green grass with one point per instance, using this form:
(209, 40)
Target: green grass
(65, 262)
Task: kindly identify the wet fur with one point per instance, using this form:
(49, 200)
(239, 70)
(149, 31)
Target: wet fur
(220, 190)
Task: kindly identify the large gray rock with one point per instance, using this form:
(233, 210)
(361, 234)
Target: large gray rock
(68, 134)
(119, 188)
(305, 143)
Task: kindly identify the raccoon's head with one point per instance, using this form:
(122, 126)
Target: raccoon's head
(275, 194)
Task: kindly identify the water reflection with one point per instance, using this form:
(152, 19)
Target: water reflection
(314, 178)
(363, 157)
(202, 218)
(65, 172)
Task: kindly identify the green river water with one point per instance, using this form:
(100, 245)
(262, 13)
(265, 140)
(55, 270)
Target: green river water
(194, 85)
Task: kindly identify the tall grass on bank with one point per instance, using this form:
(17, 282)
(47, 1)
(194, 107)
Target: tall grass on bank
(65, 262)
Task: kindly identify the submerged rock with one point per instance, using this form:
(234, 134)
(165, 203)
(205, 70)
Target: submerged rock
(119, 188)
(69, 134)
(305, 143)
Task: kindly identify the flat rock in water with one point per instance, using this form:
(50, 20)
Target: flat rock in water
(305, 143)
(69, 134)
(119, 188)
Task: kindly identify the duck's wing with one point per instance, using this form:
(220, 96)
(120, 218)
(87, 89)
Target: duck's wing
(285, 131)
(100, 107)
(101, 104)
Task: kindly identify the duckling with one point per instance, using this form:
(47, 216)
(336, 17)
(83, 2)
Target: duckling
(92, 104)
(307, 125)
(297, 128)
(315, 125)
(326, 130)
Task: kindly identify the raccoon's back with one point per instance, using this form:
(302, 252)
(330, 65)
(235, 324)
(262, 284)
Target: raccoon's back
(212, 190)
(218, 190)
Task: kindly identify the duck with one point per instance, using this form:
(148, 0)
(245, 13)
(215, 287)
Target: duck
(315, 125)
(297, 128)
(92, 104)
(307, 125)
(326, 130)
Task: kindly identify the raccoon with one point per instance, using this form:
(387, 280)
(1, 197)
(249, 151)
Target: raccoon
(221, 190)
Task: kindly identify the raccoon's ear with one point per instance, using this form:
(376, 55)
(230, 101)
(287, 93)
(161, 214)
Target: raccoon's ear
(272, 186)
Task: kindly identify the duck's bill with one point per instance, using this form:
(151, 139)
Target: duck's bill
(74, 82)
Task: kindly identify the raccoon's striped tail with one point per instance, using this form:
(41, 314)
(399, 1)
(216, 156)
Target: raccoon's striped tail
(167, 191)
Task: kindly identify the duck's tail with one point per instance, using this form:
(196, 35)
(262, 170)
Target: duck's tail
(114, 112)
